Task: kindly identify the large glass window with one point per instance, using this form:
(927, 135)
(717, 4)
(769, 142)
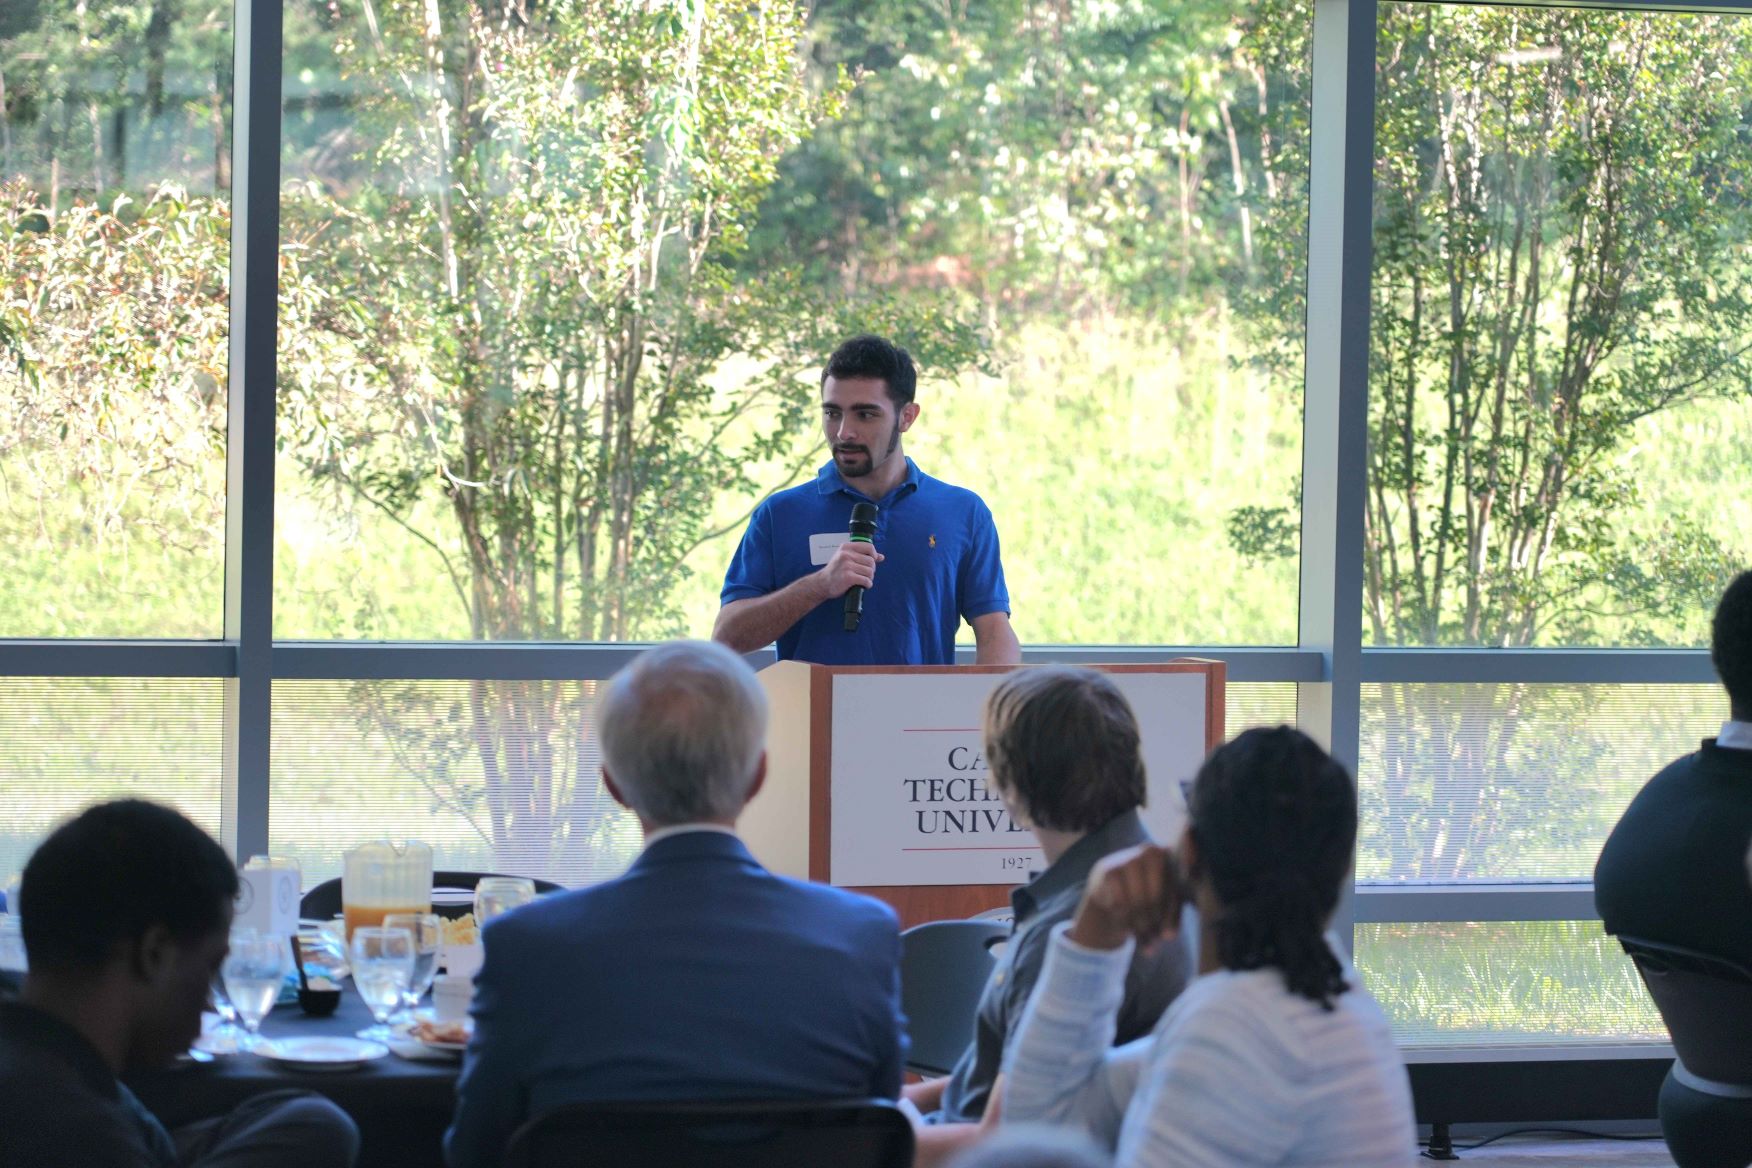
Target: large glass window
(1560, 300)
(498, 776)
(114, 252)
(67, 742)
(1506, 783)
(1561, 294)
(558, 283)
(555, 286)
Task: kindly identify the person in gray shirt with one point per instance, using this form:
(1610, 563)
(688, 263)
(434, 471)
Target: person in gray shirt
(1062, 748)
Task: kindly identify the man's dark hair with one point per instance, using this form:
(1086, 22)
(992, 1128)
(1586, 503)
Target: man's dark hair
(871, 356)
(1064, 742)
(112, 872)
(1275, 820)
(1730, 643)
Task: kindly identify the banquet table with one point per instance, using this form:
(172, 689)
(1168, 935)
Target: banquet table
(402, 1106)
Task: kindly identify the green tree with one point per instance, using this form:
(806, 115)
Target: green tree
(112, 415)
(1560, 251)
(529, 309)
(103, 96)
(1051, 159)
(1560, 240)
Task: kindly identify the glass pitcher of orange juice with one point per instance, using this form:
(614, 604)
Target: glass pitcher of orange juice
(382, 878)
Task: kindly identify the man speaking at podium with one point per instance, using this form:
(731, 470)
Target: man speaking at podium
(872, 563)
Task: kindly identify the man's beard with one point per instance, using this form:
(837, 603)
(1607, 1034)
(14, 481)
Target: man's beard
(868, 466)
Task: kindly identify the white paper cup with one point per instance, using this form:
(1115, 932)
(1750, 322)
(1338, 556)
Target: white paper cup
(451, 995)
(461, 960)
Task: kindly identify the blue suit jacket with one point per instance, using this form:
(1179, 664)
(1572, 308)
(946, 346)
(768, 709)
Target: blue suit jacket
(696, 975)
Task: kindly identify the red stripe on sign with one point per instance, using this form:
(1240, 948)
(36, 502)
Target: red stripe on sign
(970, 849)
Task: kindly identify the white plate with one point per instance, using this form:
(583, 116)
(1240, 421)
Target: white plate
(321, 1053)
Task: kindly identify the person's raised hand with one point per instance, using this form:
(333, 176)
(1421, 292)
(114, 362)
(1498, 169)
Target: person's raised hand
(1135, 892)
(852, 563)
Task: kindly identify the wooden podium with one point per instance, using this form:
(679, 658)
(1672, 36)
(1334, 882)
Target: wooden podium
(876, 778)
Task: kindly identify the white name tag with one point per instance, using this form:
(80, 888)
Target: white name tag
(822, 547)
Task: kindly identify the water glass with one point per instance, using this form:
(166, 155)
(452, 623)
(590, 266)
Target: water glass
(383, 968)
(12, 959)
(424, 929)
(226, 1037)
(495, 895)
(254, 970)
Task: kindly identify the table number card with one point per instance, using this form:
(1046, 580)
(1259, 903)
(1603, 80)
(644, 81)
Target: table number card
(267, 901)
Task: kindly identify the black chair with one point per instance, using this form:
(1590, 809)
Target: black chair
(324, 900)
(944, 966)
(1706, 1098)
(842, 1133)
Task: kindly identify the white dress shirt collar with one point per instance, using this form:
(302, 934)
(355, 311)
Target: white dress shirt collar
(1735, 736)
(681, 828)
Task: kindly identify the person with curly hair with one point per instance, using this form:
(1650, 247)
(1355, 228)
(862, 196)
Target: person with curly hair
(1275, 1054)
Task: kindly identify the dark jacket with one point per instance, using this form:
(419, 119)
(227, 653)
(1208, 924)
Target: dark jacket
(697, 975)
(1674, 869)
(60, 1107)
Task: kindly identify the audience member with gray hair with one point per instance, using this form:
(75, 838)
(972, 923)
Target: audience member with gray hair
(698, 974)
(684, 734)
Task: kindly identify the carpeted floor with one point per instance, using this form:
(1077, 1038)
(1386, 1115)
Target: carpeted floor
(1551, 1152)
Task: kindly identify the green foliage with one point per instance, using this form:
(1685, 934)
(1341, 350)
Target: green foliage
(527, 309)
(112, 409)
(1050, 159)
(1560, 256)
(1571, 259)
(99, 93)
(1505, 984)
(524, 311)
(1560, 251)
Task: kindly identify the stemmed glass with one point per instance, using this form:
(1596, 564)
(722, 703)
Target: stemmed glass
(383, 968)
(224, 1038)
(423, 928)
(254, 970)
(500, 894)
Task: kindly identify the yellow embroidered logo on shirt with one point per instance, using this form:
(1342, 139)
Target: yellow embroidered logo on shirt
(933, 541)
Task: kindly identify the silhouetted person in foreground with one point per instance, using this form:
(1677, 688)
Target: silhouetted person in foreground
(1674, 872)
(126, 918)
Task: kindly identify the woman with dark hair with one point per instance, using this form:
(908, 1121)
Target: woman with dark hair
(1275, 1054)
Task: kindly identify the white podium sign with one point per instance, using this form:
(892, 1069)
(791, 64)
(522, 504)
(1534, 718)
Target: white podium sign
(912, 802)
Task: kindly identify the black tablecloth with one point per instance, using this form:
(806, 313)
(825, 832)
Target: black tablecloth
(402, 1106)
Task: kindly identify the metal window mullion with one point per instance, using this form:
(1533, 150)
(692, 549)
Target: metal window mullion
(1539, 666)
(455, 661)
(466, 660)
(1411, 904)
(96, 658)
(1335, 388)
(249, 436)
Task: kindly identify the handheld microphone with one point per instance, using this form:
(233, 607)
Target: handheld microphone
(863, 528)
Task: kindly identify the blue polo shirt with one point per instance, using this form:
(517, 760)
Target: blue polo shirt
(942, 565)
